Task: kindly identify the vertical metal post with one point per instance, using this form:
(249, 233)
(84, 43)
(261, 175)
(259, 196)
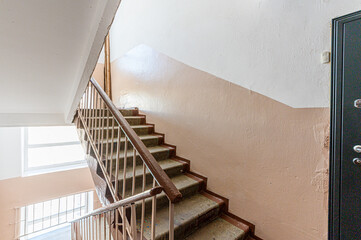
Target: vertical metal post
(171, 220)
(107, 71)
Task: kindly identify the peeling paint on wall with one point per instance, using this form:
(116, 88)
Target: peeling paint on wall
(320, 179)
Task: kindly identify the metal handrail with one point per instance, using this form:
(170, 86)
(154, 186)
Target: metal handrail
(153, 166)
(124, 202)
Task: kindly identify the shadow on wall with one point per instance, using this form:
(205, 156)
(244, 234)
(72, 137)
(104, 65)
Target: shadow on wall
(269, 159)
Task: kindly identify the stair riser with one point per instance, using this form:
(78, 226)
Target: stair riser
(147, 142)
(162, 155)
(108, 132)
(109, 121)
(100, 112)
(149, 178)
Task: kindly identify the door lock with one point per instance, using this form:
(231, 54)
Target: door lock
(357, 103)
(357, 148)
(357, 161)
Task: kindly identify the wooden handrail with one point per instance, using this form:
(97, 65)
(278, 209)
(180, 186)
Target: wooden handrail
(121, 203)
(158, 173)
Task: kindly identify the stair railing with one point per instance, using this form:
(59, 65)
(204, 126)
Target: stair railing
(112, 140)
(97, 224)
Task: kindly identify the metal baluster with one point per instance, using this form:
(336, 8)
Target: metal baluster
(99, 226)
(99, 123)
(134, 168)
(78, 119)
(102, 133)
(117, 161)
(26, 221)
(125, 165)
(143, 203)
(105, 227)
(107, 141)
(91, 113)
(124, 225)
(86, 106)
(124, 182)
(171, 220)
(133, 221)
(83, 228)
(110, 225)
(112, 142)
(154, 209)
(96, 124)
(89, 106)
(133, 212)
(72, 231)
(116, 223)
(92, 223)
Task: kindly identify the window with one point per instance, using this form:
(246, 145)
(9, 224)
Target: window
(47, 219)
(48, 149)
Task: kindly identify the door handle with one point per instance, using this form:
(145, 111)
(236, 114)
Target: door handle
(357, 161)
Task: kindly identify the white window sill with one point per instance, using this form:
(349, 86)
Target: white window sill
(31, 172)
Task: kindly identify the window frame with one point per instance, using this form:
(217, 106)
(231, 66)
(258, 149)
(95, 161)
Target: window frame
(22, 221)
(29, 171)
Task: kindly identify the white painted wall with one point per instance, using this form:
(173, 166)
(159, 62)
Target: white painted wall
(10, 152)
(271, 47)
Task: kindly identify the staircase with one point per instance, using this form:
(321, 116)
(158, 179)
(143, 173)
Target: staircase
(199, 214)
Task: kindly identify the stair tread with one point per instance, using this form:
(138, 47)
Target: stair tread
(218, 229)
(186, 213)
(152, 150)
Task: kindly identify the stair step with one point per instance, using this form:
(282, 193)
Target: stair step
(108, 121)
(171, 167)
(199, 215)
(144, 129)
(218, 229)
(129, 111)
(186, 185)
(159, 152)
(104, 112)
(149, 140)
(189, 214)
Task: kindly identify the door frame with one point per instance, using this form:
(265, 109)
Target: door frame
(336, 123)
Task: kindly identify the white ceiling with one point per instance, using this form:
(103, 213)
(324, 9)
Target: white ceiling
(48, 50)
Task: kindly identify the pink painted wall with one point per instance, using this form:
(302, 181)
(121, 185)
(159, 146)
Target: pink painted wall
(269, 159)
(20, 191)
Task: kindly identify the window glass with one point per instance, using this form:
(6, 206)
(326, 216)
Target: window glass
(46, 156)
(46, 135)
(49, 149)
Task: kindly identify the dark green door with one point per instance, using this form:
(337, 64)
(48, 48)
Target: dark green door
(345, 167)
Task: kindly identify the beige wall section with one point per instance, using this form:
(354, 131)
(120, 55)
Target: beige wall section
(17, 192)
(98, 74)
(269, 159)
